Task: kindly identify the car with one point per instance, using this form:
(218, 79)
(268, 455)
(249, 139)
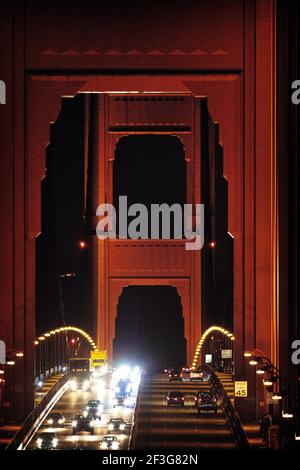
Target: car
(55, 420)
(197, 395)
(123, 401)
(47, 441)
(95, 408)
(77, 383)
(109, 442)
(116, 424)
(186, 374)
(207, 401)
(197, 375)
(175, 375)
(83, 422)
(123, 388)
(175, 398)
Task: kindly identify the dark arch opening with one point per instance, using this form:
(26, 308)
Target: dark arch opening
(150, 327)
(150, 169)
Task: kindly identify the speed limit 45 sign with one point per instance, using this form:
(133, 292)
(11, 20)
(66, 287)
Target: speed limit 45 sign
(241, 389)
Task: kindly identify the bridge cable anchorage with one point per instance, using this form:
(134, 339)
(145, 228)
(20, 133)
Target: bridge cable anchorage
(204, 336)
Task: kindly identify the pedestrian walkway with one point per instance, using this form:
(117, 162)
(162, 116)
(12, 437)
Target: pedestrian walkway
(49, 382)
(252, 430)
(7, 432)
(228, 384)
(253, 434)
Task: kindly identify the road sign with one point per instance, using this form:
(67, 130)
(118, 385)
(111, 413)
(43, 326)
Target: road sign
(241, 389)
(208, 358)
(98, 359)
(226, 353)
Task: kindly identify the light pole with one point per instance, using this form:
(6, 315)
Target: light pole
(275, 384)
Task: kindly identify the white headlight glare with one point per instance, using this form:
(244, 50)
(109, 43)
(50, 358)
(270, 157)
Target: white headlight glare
(50, 421)
(115, 445)
(39, 442)
(74, 423)
(110, 427)
(55, 442)
(73, 385)
(122, 427)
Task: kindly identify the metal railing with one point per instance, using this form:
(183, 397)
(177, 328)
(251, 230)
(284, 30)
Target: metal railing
(36, 417)
(232, 417)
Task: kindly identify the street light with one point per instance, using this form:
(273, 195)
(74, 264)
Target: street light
(267, 383)
(287, 415)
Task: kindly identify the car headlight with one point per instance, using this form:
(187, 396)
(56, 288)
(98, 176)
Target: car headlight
(85, 413)
(74, 423)
(104, 445)
(122, 427)
(39, 442)
(110, 427)
(115, 445)
(73, 385)
(50, 421)
(60, 421)
(85, 385)
(54, 441)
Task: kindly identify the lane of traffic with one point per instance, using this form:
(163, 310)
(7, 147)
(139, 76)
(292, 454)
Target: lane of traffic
(110, 416)
(163, 426)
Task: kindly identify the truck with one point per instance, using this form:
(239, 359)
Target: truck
(79, 371)
(98, 362)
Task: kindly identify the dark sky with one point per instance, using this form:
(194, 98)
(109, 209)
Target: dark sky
(63, 227)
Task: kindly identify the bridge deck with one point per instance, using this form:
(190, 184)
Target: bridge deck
(160, 426)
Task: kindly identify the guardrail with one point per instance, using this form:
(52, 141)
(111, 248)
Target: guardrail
(36, 417)
(232, 417)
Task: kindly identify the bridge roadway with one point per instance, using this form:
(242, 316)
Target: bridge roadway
(160, 426)
(73, 402)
